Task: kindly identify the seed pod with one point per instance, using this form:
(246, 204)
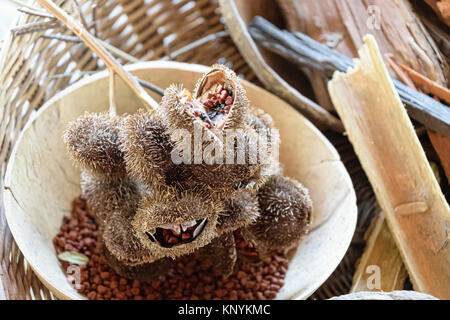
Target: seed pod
(263, 124)
(219, 75)
(166, 209)
(239, 162)
(285, 215)
(107, 195)
(143, 272)
(146, 146)
(119, 237)
(92, 141)
(220, 254)
(240, 211)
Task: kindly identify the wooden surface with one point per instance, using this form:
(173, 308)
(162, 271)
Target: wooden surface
(390, 152)
(274, 72)
(380, 255)
(343, 23)
(39, 159)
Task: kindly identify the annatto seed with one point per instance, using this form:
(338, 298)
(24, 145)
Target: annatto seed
(229, 101)
(188, 278)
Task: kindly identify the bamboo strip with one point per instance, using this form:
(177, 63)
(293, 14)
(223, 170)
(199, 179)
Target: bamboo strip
(390, 152)
(381, 266)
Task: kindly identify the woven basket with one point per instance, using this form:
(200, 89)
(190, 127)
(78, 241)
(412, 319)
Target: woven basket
(34, 68)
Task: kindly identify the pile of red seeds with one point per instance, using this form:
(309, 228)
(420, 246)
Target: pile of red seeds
(187, 279)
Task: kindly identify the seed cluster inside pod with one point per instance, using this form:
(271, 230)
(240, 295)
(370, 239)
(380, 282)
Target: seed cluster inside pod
(170, 235)
(212, 107)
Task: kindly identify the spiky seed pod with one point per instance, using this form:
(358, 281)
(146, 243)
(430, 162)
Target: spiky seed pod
(264, 126)
(242, 165)
(221, 75)
(220, 254)
(120, 239)
(166, 206)
(175, 112)
(285, 215)
(106, 196)
(143, 272)
(146, 146)
(92, 141)
(240, 211)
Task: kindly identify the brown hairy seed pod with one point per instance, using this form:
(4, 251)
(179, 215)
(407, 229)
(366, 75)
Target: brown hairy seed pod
(220, 78)
(92, 141)
(143, 272)
(263, 124)
(107, 195)
(119, 237)
(171, 223)
(219, 102)
(146, 146)
(285, 215)
(220, 254)
(240, 211)
(220, 177)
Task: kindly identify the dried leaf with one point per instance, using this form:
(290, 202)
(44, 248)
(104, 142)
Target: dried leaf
(73, 257)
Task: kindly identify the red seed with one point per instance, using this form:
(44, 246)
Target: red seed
(219, 88)
(229, 101)
(102, 289)
(185, 236)
(171, 240)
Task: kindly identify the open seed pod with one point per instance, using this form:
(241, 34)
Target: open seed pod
(285, 215)
(170, 223)
(219, 89)
(92, 141)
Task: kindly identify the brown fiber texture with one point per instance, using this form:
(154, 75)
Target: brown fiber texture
(285, 215)
(92, 142)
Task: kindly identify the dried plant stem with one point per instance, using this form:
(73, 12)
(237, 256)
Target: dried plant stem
(151, 87)
(80, 13)
(433, 87)
(104, 55)
(61, 37)
(112, 99)
(34, 12)
(34, 26)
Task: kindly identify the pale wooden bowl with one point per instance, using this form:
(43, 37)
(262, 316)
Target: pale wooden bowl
(41, 181)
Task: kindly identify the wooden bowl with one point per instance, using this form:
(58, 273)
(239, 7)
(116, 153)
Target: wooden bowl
(41, 180)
